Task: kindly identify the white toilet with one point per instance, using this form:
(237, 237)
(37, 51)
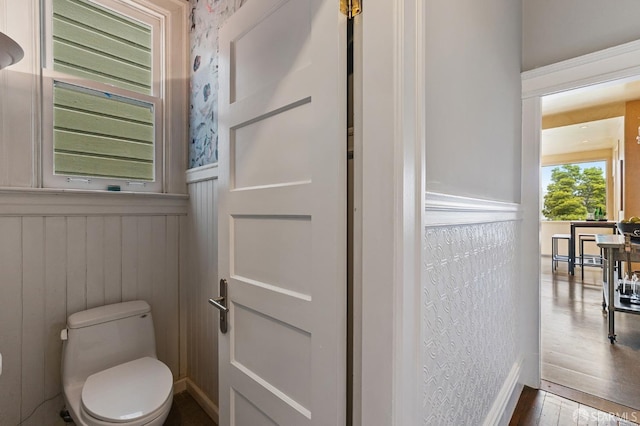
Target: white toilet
(110, 372)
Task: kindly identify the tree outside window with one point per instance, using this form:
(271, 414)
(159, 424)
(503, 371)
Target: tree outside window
(573, 190)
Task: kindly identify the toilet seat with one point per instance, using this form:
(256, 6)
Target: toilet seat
(128, 391)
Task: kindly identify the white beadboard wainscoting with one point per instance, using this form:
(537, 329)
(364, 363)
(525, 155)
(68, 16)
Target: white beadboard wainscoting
(202, 370)
(63, 252)
(471, 357)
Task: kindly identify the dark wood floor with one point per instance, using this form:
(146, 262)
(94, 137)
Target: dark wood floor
(185, 411)
(539, 407)
(575, 350)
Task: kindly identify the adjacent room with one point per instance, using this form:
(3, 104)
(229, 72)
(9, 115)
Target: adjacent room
(590, 148)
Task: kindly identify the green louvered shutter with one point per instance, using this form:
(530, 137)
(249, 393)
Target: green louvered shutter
(97, 133)
(101, 45)
(101, 135)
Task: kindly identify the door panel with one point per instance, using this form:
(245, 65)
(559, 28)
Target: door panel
(256, 260)
(245, 413)
(280, 137)
(282, 223)
(255, 63)
(288, 347)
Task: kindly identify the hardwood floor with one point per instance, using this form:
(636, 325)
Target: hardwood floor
(539, 407)
(185, 411)
(575, 350)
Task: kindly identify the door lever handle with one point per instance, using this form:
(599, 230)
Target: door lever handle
(220, 302)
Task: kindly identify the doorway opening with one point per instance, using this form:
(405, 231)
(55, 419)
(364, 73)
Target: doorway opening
(585, 130)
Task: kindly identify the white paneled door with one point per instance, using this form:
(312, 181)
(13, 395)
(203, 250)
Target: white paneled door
(282, 218)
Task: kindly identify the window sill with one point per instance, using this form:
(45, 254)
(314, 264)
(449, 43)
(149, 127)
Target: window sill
(72, 202)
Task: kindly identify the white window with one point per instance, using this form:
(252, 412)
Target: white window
(103, 95)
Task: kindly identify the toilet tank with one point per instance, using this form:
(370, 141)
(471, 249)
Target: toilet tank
(104, 337)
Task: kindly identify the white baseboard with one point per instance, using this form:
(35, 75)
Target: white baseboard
(507, 398)
(202, 399)
(179, 386)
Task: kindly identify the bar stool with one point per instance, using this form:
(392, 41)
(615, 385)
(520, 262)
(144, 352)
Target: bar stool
(555, 256)
(594, 260)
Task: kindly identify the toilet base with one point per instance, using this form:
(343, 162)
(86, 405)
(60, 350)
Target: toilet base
(64, 414)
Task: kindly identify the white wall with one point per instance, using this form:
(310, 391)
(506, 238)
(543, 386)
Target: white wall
(202, 184)
(62, 253)
(19, 110)
(203, 284)
(473, 98)
(470, 352)
(555, 30)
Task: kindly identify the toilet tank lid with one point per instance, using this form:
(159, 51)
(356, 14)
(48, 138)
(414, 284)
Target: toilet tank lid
(107, 313)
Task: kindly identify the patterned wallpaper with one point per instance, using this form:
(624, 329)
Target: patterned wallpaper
(207, 16)
(468, 320)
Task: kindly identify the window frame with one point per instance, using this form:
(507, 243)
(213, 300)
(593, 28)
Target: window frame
(137, 10)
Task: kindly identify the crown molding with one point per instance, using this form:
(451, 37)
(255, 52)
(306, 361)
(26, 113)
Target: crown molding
(614, 63)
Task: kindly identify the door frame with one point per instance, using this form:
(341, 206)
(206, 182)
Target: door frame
(389, 96)
(611, 64)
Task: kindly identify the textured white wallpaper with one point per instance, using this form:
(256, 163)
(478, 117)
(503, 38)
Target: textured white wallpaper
(468, 319)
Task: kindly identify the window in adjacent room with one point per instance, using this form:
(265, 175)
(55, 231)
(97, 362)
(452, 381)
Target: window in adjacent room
(574, 191)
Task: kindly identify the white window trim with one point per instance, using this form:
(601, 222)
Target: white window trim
(158, 14)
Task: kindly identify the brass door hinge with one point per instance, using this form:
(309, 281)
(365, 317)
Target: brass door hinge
(351, 8)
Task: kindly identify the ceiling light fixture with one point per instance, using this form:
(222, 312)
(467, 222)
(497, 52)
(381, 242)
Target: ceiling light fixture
(10, 51)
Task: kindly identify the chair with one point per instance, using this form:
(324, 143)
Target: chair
(555, 255)
(595, 260)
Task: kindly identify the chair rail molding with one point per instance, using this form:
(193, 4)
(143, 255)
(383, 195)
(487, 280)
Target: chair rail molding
(50, 202)
(445, 209)
(202, 173)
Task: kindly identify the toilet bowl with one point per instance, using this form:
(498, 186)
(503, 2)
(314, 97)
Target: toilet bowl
(110, 372)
